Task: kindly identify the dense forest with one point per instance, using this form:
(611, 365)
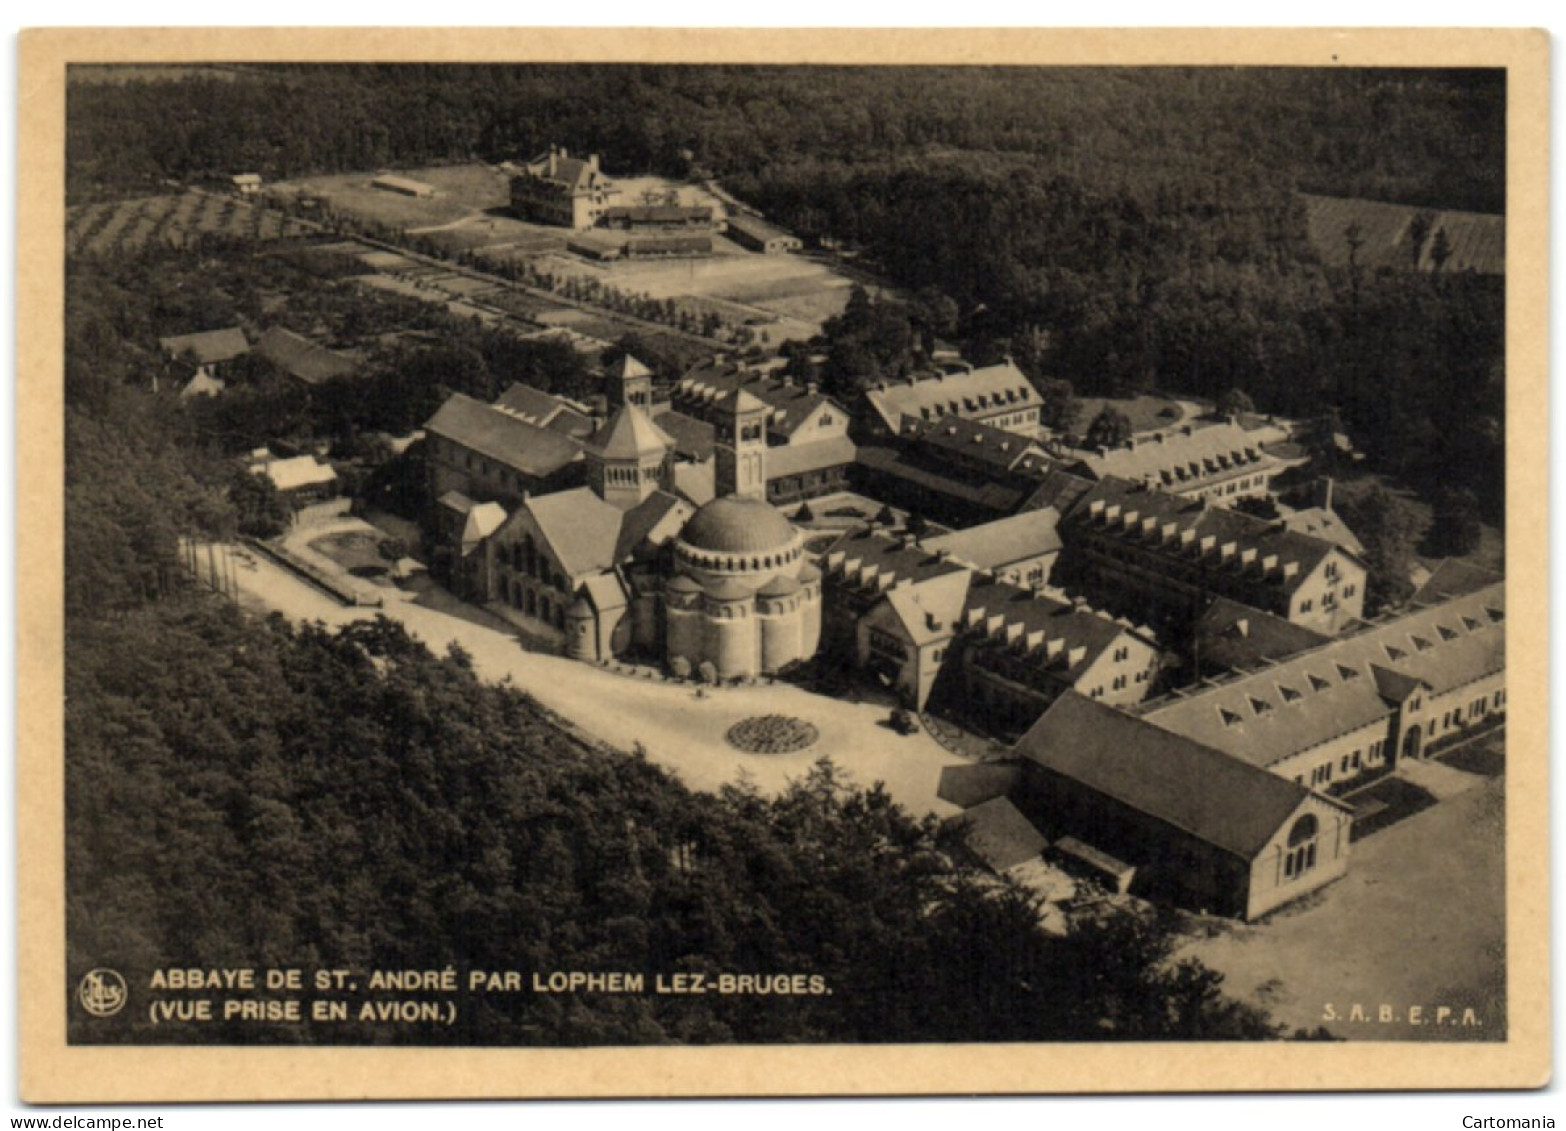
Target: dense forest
(1119, 229)
(256, 794)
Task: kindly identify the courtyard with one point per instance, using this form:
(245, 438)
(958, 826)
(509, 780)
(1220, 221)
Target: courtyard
(681, 727)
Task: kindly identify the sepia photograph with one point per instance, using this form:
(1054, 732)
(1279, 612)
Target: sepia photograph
(707, 552)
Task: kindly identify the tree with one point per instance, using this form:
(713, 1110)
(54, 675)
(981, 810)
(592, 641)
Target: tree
(1388, 527)
(1235, 402)
(680, 668)
(1456, 528)
(1418, 231)
(1440, 250)
(1110, 428)
(1061, 410)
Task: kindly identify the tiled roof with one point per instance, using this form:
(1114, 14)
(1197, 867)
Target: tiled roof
(978, 442)
(693, 438)
(1057, 637)
(931, 610)
(1000, 497)
(300, 357)
(979, 392)
(642, 520)
(533, 405)
(999, 834)
(796, 459)
(1323, 522)
(976, 782)
(1282, 708)
(582, 529)
(755, 227)
(502, 436)
(630, 434)
(1172, 526)
(1006, 540)
(790, 404)
(1181, 457)
(1192, 787)
(209, 346)
(1234, 635)
(1456, 578)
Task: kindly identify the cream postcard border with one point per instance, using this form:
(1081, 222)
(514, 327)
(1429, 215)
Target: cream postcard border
(53, 1072)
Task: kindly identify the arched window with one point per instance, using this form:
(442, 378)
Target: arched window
(1301, 854)
(532, 603)
(1304, 829)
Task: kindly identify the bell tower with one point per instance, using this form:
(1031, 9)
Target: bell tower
(629, 458)
(740, 428)
(629, 382)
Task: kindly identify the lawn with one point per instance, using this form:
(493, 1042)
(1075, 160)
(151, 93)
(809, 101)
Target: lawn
(1418, 921)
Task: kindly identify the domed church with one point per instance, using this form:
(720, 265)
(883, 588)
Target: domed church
(624, 567)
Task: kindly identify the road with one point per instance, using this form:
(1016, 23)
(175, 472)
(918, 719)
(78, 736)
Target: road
(679, 731)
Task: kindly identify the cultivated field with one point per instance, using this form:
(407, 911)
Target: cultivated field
(127, 225)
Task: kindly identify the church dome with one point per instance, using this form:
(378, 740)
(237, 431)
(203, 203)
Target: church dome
(738, 526)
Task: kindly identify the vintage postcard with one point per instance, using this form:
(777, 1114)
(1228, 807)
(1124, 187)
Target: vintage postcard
(695, 563)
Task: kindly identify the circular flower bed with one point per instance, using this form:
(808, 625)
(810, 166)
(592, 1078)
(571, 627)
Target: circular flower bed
(772, 734)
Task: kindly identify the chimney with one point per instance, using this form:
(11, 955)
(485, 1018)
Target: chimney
(1243, 626)
(592, 162)
(812, 388)
(1326, 492)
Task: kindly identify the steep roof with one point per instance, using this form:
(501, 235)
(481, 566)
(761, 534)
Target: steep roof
(1323, 522)
(977, 442)
(1169, 525)
(931, 610)
(1217, 799)
(1235, 635)
(630, 434)
(755, 227)
(301, 358)
(1060, 639)
(1179, 457)
(502, 436)
(644, 519)
(693, 438)
(209, 346)
(533, 405)
(483, 520)
(791, 403)
(582, 529)
(999, 834)
(1269, 714)
(1457, 578)
(626, 367)
(994, 496)
(1006, 540)
(976, 392)
(797, 459)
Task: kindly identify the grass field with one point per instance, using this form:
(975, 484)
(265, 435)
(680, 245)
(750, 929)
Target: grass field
(460, 190)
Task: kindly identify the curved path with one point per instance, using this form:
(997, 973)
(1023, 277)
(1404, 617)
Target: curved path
(680, 732)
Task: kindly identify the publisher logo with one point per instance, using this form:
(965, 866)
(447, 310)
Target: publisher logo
(102, 992)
